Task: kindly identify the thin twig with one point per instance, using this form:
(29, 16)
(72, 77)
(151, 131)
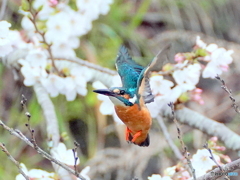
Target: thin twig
(216, 173)
(225, 88)
(89, 65)
(75, 156)
(168, 138)
(23, 103)
(21, 136)
(4, 149)
(33, 19)
(208, 126)
(214, 160)
(185, 153)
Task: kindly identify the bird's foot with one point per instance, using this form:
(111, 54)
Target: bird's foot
(128, 135)
(136, 136)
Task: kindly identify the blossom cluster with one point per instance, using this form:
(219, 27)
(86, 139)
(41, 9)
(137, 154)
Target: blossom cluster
(62, 154)
(201, 162)
(62, 26)
(186, 74)
(218, 59)
(51, 29)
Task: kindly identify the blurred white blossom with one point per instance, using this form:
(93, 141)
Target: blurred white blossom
(63, 50)
(220, 58)
(5, 41)
(53, 84)
(32, 74)
(161, 101)
(64, 155)
(35, 174)
(159, 85)
(46, 9)
(58, 28)
(202, 163)
(93, 8)
(187, 77)
(84, 173)
(200, 43)
(158, 177)
(62, 26)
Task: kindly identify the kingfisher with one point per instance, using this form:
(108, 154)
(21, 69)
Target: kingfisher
(130, 99)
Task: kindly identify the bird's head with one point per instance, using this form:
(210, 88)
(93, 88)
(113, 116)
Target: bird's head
(118, 95)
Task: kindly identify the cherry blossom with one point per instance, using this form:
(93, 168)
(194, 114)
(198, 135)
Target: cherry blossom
(202, 163)
(64, 155)
(160, 85)
(35, 174)
(63, 50)
(200, 43)
(159, 177)
(179, 57)
(220, 59)
(53, 84)
(5, 41)
(46, 9)
(187, 77)
(28, 26)
(89, 9)
(164, 94)
(80, 25)
(104, 6)
(32, 74)
(196, 96)
(58, 28)
(84, 172)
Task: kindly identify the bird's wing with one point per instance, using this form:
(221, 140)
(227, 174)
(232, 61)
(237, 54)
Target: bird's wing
(143, 85)
(128, 70)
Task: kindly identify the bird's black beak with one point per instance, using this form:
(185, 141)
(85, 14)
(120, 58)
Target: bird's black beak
(105, 92)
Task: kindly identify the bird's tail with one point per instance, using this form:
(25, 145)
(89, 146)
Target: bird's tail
(146, 142)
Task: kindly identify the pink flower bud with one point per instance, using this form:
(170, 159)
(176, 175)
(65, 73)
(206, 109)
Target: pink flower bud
(224, 67)
(220, 148)
(53, 3)
(226, 158)
(214, 139)
(179, 57)
(196, 96)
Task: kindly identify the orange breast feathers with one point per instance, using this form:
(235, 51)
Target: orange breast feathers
(138, 122)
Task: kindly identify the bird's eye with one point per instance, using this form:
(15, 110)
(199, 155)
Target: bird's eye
(122, 92)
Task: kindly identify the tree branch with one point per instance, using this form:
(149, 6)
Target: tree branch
(217, 172)
(215, 161)
(4, 149)
(225, 88)
(20, 135)
(168, 138)
(185, 153)
(51, 125)
(209, 126)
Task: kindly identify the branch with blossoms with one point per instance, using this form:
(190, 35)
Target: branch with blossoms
(217, 172)
(185, 153)
(214, 160)
(27, 7)
(60, 153)
(60, 27)
(4, 149)
(225, 88)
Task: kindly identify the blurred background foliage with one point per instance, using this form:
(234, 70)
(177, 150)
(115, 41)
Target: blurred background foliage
(143, 26)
